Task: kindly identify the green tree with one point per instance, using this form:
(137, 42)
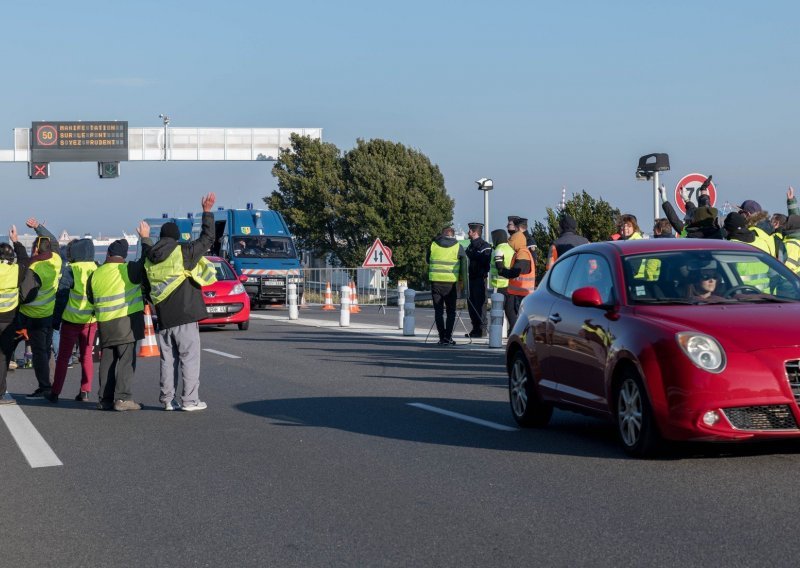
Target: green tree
(595, 219)
(397, 195)
(340, 204)
(311, 193)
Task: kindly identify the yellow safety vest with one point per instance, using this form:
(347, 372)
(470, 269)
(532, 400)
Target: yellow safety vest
(166, 276)
(115, 296)
(79, 309)
(755, 273)
(443, 264)
(496, 281)
(764, 241)
(9, 287)
(49, 272)
(792, 254)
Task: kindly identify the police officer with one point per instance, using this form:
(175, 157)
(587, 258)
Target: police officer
(446, 266)
(115, 289)
(479, 253)
(15, 280)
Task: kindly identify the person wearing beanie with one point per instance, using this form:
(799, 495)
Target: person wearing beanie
(37, 314)
(73, 318)
(115, 290)
(568, 238)
(447, 266)
(16, 280)
(502, 255)
(479, 253)
(753, 273)
(176, 273)
(704, 224)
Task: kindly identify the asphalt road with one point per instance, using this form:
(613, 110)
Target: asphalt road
(310, 454)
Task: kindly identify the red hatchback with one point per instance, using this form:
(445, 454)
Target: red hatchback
(677, 339)
(226, 300)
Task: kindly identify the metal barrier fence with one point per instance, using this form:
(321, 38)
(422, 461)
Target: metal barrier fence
(371, 287)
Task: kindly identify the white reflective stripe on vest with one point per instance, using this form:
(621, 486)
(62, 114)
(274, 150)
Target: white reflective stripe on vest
(129, 301)
(159, 288)
(42, 302)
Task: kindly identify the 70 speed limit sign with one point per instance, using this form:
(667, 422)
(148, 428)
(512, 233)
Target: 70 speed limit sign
(691, 183)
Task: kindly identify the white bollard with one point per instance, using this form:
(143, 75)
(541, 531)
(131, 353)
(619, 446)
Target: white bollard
(344, 313)
(496, 321)
(292, 296)
(401, 303)
(409, 319)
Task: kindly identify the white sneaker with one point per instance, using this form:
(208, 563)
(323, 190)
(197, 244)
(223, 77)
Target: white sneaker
(199, 405)
(172, 405)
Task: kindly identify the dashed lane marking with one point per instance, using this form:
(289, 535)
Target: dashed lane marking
(215, 352)
(30, 442)
(464, 417)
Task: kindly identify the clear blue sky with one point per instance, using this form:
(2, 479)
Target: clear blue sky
(535, 95)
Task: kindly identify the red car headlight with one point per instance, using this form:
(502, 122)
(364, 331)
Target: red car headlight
(702, 350)
(237, 289)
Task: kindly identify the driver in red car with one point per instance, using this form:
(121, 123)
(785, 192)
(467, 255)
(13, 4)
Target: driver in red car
(703, 283)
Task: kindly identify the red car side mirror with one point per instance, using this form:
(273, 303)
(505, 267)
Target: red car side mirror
(588, 297)
(243, 278)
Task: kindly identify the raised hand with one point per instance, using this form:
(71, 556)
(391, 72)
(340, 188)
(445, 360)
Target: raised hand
(790, 193)
(32, 223)
(12, 233)
(143, 229)
(208, 201)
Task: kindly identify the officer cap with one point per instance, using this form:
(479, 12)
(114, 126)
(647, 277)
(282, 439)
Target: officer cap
(475, 226)
(513, 219)
(521, 221)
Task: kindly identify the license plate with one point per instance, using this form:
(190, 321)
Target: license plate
(273, 282)
(216, 309)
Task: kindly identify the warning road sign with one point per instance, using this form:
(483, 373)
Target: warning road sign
(690, 183)
(379, 256)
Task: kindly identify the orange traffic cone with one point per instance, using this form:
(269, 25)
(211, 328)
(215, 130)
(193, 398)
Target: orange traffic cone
(328, 297)
(148, 346)
(354, 309)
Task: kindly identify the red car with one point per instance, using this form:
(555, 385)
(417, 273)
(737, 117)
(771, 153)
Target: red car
(671, 339)
(226, 300)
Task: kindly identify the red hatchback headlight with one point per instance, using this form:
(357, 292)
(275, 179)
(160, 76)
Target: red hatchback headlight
(702, 350)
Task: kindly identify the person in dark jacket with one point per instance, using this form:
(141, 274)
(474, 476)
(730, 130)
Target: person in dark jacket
(179, 305)
(704, 224)
(479, 253)
(16, 282)
(115, 290)
(568, 238)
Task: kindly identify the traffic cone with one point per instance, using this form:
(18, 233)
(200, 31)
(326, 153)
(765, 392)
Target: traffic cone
(328, 298)
(354, 309)
(148, 346)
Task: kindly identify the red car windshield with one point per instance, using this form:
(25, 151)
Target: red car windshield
(224, 271)
(708, 276)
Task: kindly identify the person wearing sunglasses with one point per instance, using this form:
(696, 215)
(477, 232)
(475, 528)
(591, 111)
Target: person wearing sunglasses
(704, 284)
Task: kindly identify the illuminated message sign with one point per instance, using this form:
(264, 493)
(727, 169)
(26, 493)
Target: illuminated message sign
(79, 141)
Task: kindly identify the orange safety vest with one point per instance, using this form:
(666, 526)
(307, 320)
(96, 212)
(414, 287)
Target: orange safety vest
(523, 284)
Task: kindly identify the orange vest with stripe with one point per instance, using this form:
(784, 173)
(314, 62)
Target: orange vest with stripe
(523, 284)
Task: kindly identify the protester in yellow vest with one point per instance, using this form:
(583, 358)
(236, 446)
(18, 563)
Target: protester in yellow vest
(791, 239)
(115, 290)
(73, 318)
(37, 313)
(176, 272)
(447, 265)
(502, 255)
(754, 273)
(15, 280)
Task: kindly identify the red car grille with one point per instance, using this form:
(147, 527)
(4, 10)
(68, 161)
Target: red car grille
(793, 374)
(777, 417)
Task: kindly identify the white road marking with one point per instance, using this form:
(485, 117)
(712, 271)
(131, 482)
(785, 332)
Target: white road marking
(486, 423)
(30, 442)
(215, 352)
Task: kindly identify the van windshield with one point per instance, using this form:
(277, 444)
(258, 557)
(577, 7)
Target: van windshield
(263, 247)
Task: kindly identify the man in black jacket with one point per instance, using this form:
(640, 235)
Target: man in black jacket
(479, 253)
(178, 299)
(568, 238)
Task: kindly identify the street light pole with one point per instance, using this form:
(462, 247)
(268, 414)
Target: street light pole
(165, 120)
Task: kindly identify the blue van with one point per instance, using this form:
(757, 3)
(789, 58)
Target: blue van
(258, 244)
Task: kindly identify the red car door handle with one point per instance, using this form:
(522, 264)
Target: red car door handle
(555, 318)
